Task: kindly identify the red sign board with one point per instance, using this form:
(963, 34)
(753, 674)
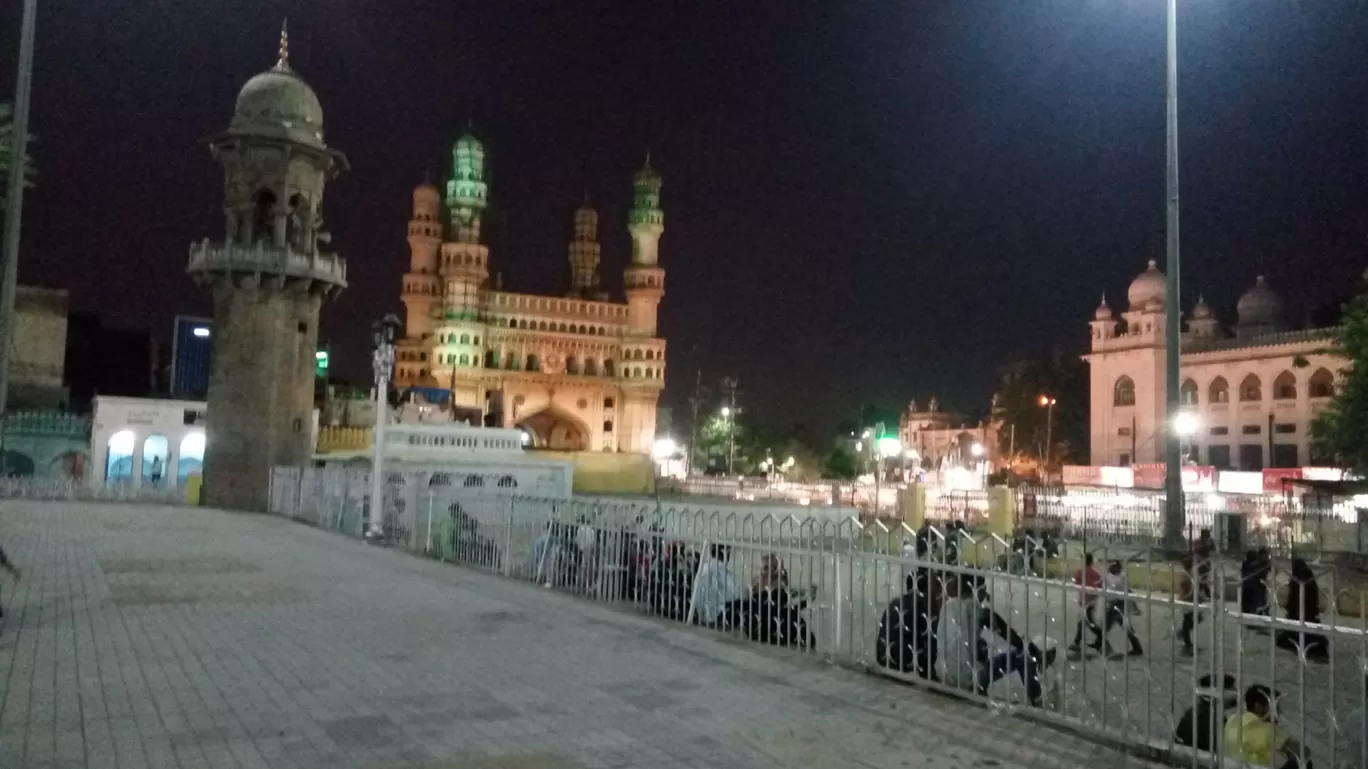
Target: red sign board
(1149, 475)
(1273, 478)
(1195, 477)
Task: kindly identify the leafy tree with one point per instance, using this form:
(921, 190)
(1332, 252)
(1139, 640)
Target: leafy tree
(1339, 431)
(7, 152)
(1017, 405)
(840, 464)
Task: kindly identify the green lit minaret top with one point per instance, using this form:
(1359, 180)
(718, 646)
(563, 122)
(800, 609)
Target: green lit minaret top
(467, 193)
(645, 221)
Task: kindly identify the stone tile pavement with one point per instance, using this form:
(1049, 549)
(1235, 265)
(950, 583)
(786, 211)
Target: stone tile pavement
(170, 637)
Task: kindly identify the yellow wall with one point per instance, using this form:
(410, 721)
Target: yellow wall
(601, 472)
(332, 439)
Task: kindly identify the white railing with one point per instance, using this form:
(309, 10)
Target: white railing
(874, 596)
(82, 491)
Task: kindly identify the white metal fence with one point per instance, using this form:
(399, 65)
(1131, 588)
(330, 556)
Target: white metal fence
(64, 489)
(906, 604)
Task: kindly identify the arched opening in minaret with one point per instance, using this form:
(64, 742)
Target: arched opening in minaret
(554, 429)
(263, 215)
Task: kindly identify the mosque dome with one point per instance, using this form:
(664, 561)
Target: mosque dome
(1260, 305)
(1147, 287)
(427, 192)
(647, 176)
(1104, 311)
(278, 104)
(1201, 311)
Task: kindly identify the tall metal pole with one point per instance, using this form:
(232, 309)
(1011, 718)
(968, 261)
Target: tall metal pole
(1173, 476)
(14, 200)
(382, 365)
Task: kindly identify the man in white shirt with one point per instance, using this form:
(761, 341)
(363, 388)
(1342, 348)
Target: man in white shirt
(966, 659)
(716, 586)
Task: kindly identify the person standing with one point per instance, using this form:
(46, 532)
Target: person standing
(8, 566)
(1089, 579)
(1116, 593)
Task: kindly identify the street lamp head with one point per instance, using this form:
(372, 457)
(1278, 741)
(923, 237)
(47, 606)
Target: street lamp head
(726, 411)
(976, 449)
(664, 448)
(1186, 423)
(1046, 400)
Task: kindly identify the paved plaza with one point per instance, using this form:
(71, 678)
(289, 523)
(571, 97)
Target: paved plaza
(172, 637)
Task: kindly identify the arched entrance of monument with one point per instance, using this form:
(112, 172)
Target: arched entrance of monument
(556, 430)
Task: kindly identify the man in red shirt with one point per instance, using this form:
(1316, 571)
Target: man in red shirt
(1089, 578)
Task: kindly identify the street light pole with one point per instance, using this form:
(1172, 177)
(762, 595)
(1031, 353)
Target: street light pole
(1173, 476)
(382, 365)
(14, 200)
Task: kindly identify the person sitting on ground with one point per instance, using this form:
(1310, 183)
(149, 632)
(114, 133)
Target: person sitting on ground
(1198, 726)
(1303, 605)
(715, 587)
(906, 641)
(1117, 611)
(772, 613)
(966, 660)
(1255, 738)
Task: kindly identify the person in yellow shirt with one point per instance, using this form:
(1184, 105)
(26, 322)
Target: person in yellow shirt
(1255, 738)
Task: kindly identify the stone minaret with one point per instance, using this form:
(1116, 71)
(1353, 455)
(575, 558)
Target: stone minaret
(643, 279)
(584, 253)
(421, 286)
(268, 280)
(464, 269)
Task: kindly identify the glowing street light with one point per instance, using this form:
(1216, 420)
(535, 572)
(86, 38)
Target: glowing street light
(1186, 423)
(1048, 402)
(726, 412)
(976, 449)
(663, 449)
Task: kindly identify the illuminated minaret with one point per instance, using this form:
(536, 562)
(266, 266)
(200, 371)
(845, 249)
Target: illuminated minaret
(643, 279)
(421, 286)
(458, 342)
(584, 253)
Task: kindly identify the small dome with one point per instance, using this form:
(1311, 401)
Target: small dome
(1104, 311)
(1201, 311)
(1147, 287)
(1260, 305)
(427, 192)
(278, 104)
(647, 176)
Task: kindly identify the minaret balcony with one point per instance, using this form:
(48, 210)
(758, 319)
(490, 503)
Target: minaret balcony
(208, 258)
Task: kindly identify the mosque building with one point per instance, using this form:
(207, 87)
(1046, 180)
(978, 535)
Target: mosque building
(574, 372)
(1255, 390)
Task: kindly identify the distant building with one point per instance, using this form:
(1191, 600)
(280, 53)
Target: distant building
(39, 349)
(192, 341)
(1254, 390)
(577, 372)
(146, 441)
(940, 439)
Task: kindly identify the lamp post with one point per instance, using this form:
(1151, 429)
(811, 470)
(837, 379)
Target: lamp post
(1047, 402)
(14, 200)
(1174, 512)
(382, 365)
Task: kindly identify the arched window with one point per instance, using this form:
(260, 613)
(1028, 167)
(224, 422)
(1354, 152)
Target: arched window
(533, 364)
(591, 367)
(1188, 393)
(491, 359)
(119, 457)
(1124, 392)
(1218, 391)
(650, 373)
(474, 480)
(1322, 384)
(543, 326)
(636, 373)
(1285, 387)
(608, 368)
(572, 365)
(465, 338)
(191, 457)
(1251, 389)
(508, 482)
(440, 479)
(155, 457)
(465, 360)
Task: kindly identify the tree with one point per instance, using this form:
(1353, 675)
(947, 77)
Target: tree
(840, 464)
(1339, 430)
(1026, 424)
(7, 152)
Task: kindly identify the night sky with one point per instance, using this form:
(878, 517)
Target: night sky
(865, 201)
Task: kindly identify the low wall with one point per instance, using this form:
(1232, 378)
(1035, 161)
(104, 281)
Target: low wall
(598, 472)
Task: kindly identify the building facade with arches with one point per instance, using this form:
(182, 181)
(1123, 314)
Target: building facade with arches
(1255, 387)
(145, 442)
(575, 372)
